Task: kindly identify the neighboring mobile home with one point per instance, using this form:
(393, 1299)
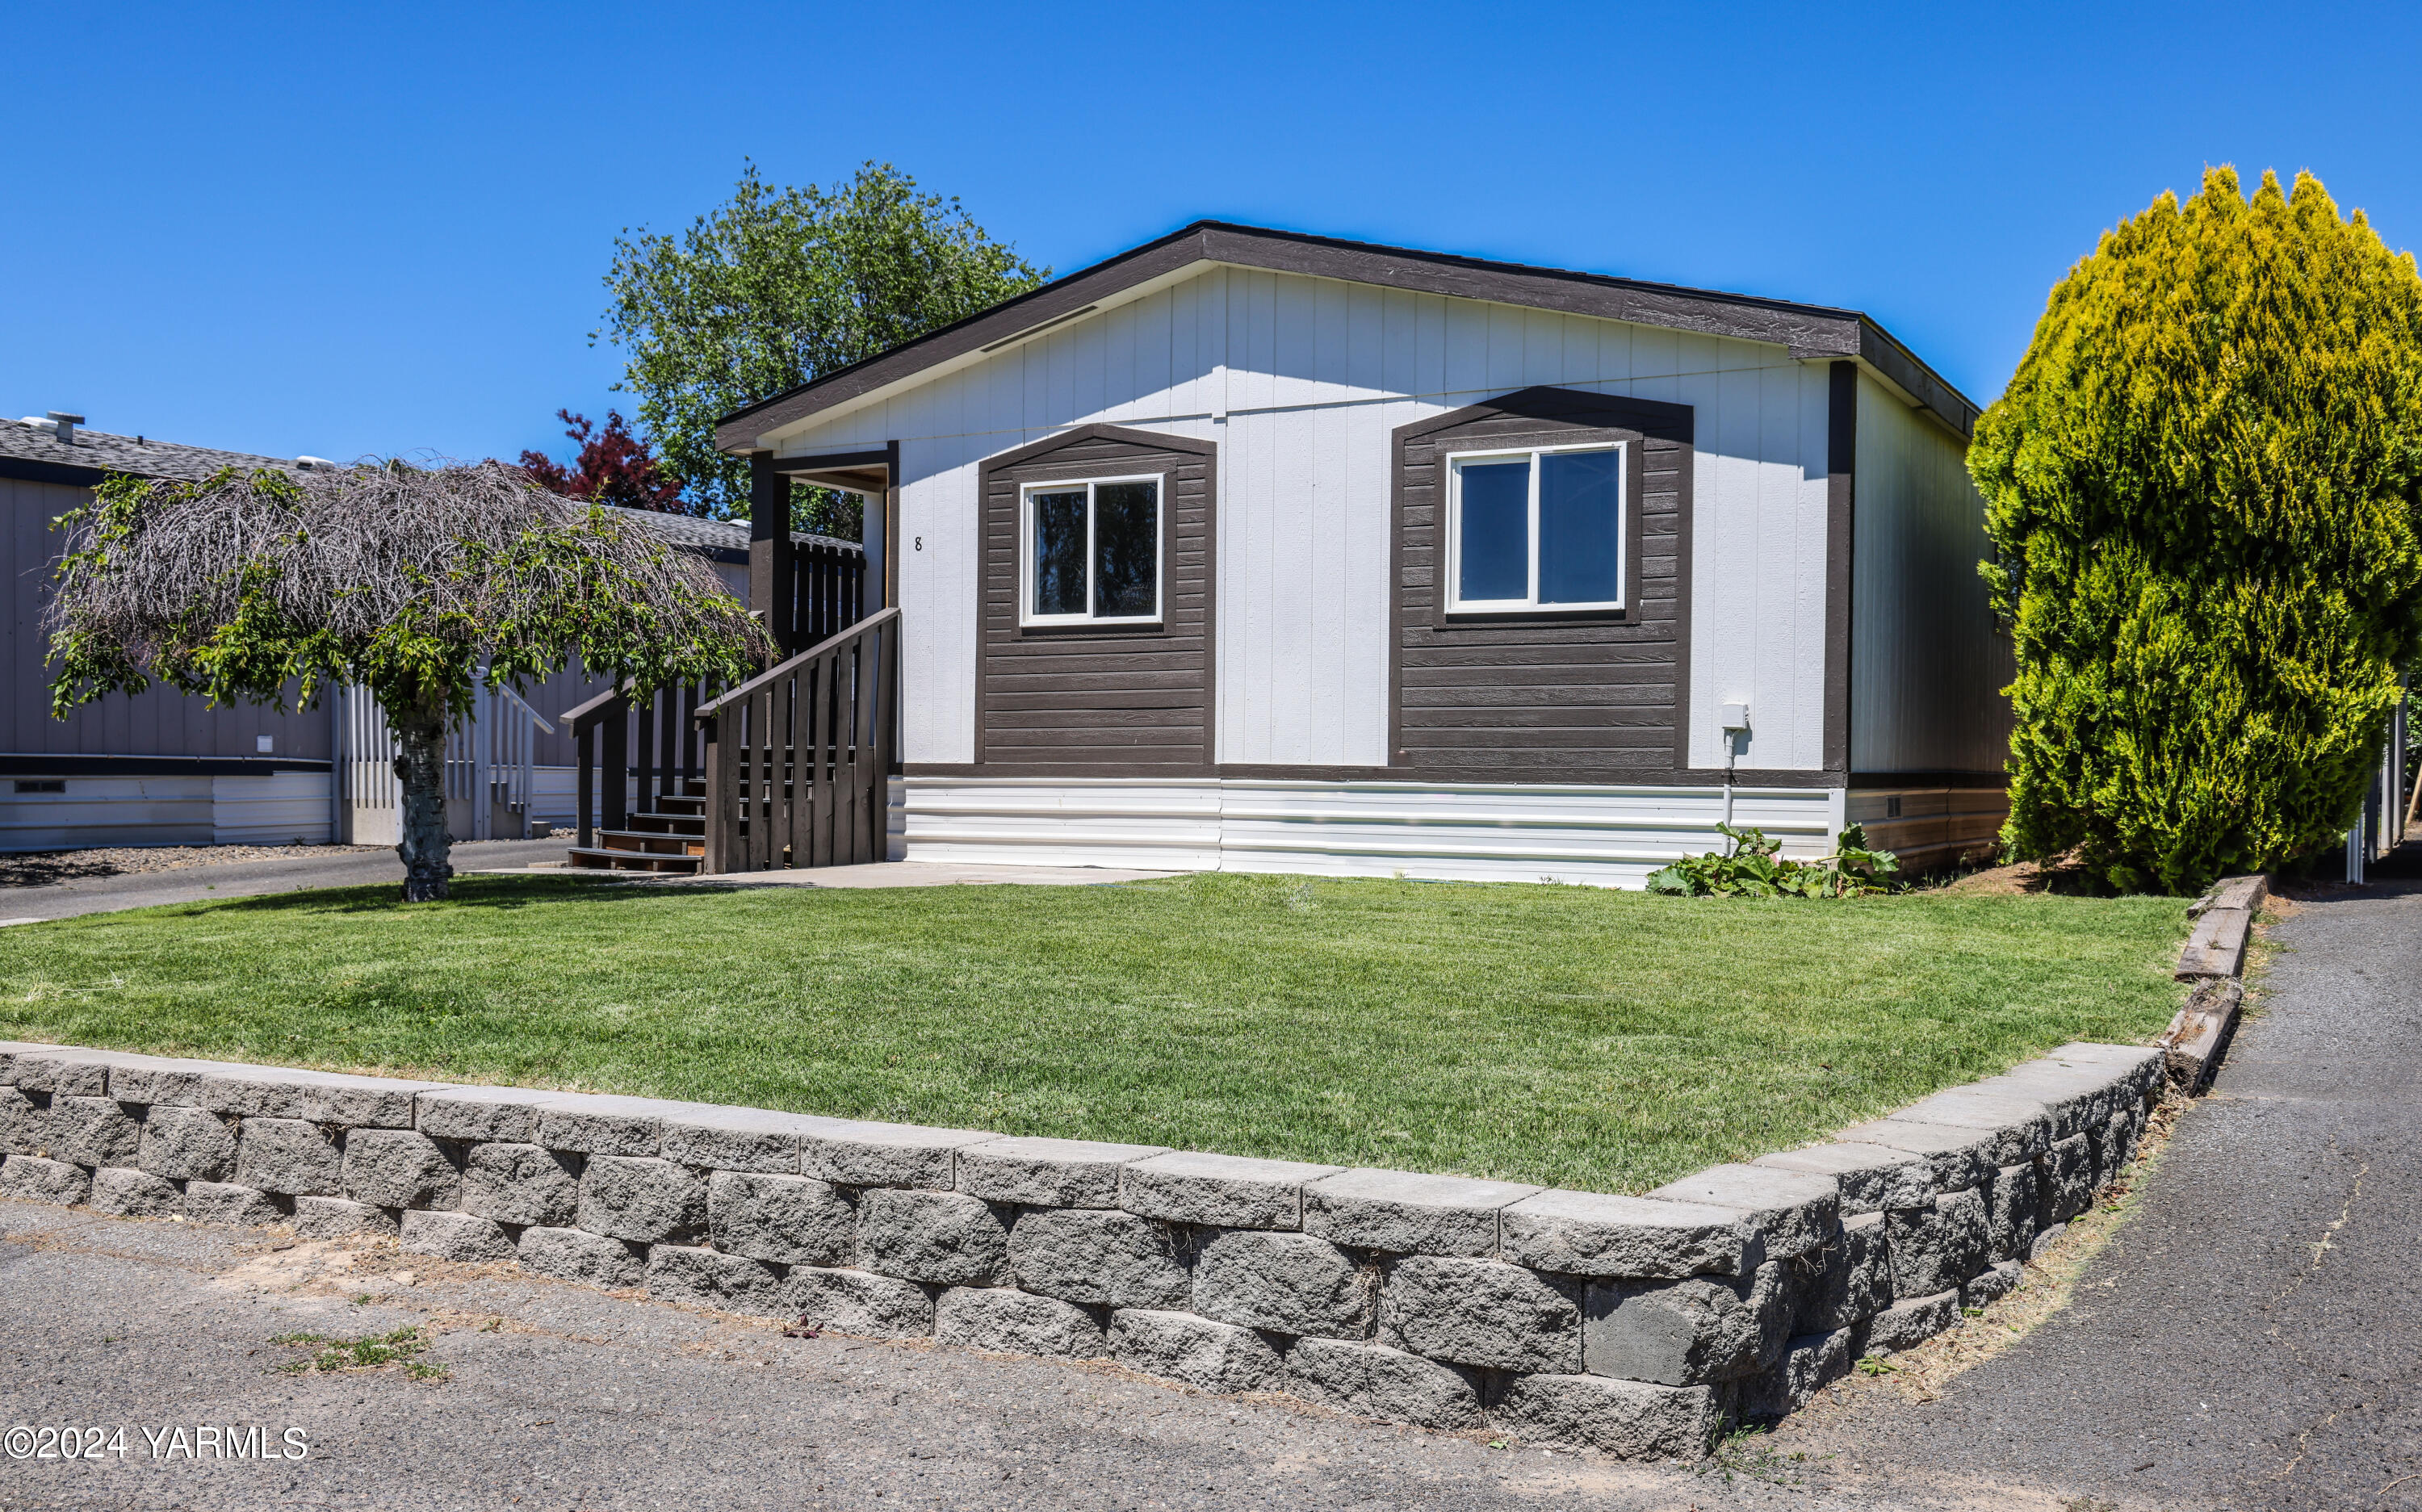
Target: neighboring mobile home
(162, 767)
(1262, 551)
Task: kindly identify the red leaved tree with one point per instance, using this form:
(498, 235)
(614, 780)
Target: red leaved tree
(613, 468)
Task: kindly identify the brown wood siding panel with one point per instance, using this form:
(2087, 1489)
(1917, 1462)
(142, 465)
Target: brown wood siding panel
(1581, 697)
(1118, 701)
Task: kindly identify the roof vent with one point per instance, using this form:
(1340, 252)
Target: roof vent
(63, 425)
(315, 464)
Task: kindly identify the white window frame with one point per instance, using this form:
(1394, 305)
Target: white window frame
(1026, 582)
(1529, 603)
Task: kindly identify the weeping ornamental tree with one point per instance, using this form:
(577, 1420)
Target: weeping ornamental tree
(2201, 495)
(414, 583)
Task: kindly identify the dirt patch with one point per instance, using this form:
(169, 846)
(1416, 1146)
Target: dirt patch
(2016, 880)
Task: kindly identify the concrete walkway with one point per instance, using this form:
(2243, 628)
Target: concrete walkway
(926, 874)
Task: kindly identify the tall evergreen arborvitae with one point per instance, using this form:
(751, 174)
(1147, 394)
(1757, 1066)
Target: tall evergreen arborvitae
(2203, 491)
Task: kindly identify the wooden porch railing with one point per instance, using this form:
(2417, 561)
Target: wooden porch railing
(667, 748)
(796, 756)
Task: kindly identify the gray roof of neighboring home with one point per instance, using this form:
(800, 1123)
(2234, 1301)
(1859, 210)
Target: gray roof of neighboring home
(33, 452)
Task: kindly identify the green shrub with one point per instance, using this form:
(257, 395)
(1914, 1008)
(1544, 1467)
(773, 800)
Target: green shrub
(2202, 495)
(1752, 866)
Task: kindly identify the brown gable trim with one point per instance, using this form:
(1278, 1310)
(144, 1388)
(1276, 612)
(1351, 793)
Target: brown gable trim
(1809, 331)
(1841, 545)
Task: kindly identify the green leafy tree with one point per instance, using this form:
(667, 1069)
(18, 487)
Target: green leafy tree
(2202, 493)
(414, 583)
(779, 287)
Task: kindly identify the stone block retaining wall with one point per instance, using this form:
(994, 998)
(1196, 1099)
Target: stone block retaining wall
(1642, 1326)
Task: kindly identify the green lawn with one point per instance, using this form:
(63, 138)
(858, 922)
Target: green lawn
(1601, 1040)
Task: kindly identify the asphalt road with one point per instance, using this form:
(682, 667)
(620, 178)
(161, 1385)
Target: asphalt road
(2252, 1337)
(247, 879)
(2248, 1340)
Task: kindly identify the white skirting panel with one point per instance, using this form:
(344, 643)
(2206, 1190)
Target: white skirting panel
(273, 809)
(1481, 832)
(1144, 823)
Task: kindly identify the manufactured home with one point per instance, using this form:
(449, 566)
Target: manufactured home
(1253, 550)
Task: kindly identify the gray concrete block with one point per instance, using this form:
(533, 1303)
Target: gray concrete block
(1104, 1256)
(2010, 1212)
(1937, 1246)
(1957, 1157)
(1217, 1357)
(398, 1168)
(2112, 1145)
(738, 1139)
(1687, 1333)
(1993, 1283)
(1406, 1213)
(2138, 1067)
(1851, 1281)
(525, 1185)
(1810, 1362)
(2064, 1181)
(945, 1237)
(21, 1124)
(160, 1081)
(505, 1115)
(2077, 1097)
(859, 1302)
(855, 1153)
(219, 1202)
(575, 1254)
(1285, 1283)
(462, 1236)
(1632, 1419)
(336, 1218)
(793, 1220)
(312, 1096)
(1048, 1173)
(1482, 1312)
(124, 1193)
(1013, 1322)
(2021, 1126)
(596, 1123)
(60, 1070)
(1911, 1322)
(727, 1282)
(1872, 1177)
(1219, 1191)
(187, 1144)
(1591, 1234)
(90, 1131)
(1371, 1380)
(2044, 1241)
(289, 1157)
(1789, 1212)
(641, 1198)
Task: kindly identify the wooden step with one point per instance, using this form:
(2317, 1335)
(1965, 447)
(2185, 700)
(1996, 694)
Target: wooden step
(595, 858)
(669, 824)
(650, 843)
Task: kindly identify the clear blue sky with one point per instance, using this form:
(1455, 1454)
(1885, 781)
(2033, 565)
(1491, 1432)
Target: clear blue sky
(355, 229)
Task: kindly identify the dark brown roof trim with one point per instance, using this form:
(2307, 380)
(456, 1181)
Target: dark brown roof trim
(26, 470)
(1809, 331)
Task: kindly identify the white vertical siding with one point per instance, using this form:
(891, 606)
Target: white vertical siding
(1300, 381)
(1927, 665)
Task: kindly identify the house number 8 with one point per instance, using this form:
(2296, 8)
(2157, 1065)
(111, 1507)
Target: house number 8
(920, 542)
